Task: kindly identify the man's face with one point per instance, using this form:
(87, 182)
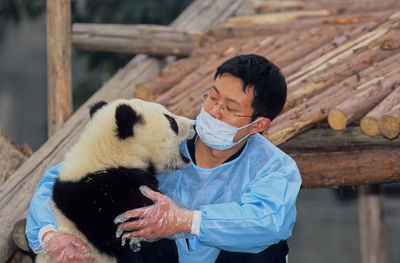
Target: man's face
(228, 91)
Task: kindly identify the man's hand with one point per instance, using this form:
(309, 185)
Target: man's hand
(65, 248)
(164, 218)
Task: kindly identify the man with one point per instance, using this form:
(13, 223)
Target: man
(234, 203)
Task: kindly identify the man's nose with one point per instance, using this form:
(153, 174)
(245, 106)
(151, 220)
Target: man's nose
(216, 111)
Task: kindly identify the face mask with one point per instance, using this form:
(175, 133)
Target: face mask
(217, 134)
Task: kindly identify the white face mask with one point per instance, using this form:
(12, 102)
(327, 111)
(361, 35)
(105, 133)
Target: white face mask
(217, 134)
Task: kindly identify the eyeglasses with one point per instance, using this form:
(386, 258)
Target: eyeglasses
(210, 100)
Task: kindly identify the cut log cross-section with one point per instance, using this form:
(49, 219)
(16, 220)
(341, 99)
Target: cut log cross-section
(389, 123)
(361, 101)
(307, 114)
(369, 123)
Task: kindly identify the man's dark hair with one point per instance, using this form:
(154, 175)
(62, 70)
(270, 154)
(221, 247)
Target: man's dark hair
(267, 80)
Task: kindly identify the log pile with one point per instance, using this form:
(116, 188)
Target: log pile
(340, 60)
(11, 156)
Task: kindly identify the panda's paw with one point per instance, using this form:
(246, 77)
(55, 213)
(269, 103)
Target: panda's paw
(134, 243)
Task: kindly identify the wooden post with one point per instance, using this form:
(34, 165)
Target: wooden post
(372, 227)
(59, 91)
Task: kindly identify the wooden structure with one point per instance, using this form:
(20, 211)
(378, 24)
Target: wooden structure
(59, 90)
(16, 192)
(11, 156)
(341, 59)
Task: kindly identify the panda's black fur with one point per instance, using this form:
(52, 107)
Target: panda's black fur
(92, 200)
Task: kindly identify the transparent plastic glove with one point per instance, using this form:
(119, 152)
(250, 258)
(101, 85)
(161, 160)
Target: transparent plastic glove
(62, 247)
(163, 219)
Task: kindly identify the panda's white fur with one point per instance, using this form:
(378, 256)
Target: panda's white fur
(100, 148)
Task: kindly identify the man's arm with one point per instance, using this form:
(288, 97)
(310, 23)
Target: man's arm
(264, 215)
(41, 228)
(40, 218)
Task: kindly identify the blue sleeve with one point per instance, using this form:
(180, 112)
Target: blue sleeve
(264, 215)
(40, 215)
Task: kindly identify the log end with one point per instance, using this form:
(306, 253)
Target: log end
(18, 235)
(369, 126)
(389, 126)
(141, 92)
(337, 119)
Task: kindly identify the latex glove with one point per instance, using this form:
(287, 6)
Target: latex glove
(65, 248)
(163, 219)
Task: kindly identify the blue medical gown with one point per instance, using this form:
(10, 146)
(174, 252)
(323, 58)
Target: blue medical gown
(247, 204)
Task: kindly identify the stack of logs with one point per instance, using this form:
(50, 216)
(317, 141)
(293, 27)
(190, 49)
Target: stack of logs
(11, 157)
(341, 65)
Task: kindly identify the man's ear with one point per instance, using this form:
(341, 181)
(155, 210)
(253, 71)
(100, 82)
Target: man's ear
(260, 125)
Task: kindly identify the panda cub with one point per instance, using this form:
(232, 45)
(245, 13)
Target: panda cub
(123, 146)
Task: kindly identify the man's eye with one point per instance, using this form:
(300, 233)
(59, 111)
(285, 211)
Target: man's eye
(231, 110)
(213, 99)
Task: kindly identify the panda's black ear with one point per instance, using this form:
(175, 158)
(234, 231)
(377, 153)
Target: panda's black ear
(96, 107)
(126, 118)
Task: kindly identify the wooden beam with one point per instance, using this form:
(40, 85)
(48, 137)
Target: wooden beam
(371, 224)
(135, 39)
(342, 168)
(328, 140)
(329, 158)
(59, 87)
(17, 192)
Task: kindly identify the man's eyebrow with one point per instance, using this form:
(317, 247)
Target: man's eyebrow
(229, 99)
(215, 88)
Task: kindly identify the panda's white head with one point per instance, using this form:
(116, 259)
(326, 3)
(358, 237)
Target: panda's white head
(128, 133)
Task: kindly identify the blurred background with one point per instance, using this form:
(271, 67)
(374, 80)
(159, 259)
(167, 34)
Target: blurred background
(327, 226)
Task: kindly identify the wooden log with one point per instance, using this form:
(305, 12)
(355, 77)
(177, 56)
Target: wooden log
(201, 15)
(307, 114)
(135, 39)
(191, 83)
(321, 169)
(16, 192)
(275, 18)
(59, 87)
(172, 75)
(19, 236)
(369, 123)
(273, 6)
(296, 49)
(371, 224)
(221, 31)
(389, 124)
(361, 59)
(343, 50)
(20, 257)
(328, 140)
(337, 41)
(363, 99)
(11, 156)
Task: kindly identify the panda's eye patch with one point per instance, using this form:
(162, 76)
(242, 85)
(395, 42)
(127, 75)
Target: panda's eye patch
(172, 123)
